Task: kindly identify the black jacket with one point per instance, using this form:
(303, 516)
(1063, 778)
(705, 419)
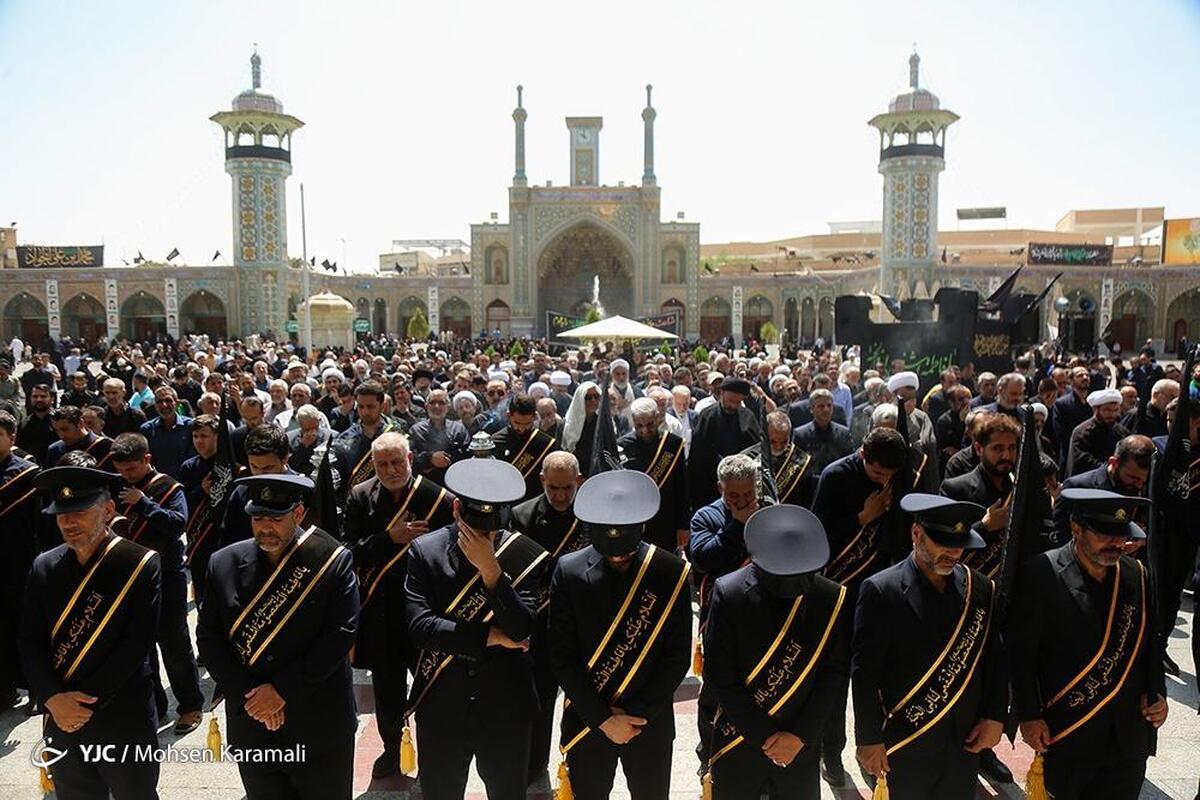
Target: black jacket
(901, 626)
(715, 436)
(1057, 623)
(585, 596)
(743, 622)
(308, 663)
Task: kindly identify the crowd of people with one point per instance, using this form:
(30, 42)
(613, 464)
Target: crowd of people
(485, 525)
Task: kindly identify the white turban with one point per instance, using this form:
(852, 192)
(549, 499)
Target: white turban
(560, 378)
(1039, 408)
(1103, 397)
(498, 375)
(538, 390)
(466, 395)
(903, 380)
(617, 364)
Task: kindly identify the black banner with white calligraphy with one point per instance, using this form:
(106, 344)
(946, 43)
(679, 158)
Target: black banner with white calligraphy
(39, 257)
(1080, 255)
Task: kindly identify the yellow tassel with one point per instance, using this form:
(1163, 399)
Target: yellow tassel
(881, 789)
(408, 753)
(213, 740)
(45, 780)
(563, 792)
(698, 659)
(706, 787)
(1035, 781)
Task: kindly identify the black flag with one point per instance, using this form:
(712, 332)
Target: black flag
(322, 508)
(891, 304)
(216, 255)
(1037, 300)
(766, 458)
(996, 299)
(605, 455)
(173, 254)
(326, 265)
(1029, 509)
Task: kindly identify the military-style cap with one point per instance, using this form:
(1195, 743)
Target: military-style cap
(484, 487)
(1106, 512)
(274, 495)
(948, 522)
(736, 385)
(615, 505)
(786, 540)
(71, 489)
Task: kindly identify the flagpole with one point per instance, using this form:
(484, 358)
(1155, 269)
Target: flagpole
(308, 342)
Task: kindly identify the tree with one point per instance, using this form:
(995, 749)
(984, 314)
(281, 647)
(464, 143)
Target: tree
(418, 326)
(769, 333)
(517, 349)
(592, 315)
(700, 354)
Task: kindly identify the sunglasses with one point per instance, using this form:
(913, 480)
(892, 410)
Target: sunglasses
(495, 393)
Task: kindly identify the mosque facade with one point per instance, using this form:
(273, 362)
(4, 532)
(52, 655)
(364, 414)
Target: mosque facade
(563, 247)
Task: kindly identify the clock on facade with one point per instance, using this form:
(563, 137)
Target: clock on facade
(583, 135)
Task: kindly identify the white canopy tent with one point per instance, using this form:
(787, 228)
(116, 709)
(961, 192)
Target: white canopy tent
(616, 328)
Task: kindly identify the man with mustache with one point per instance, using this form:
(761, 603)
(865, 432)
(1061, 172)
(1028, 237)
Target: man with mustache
(1079, 635)
(88, 625)
(1126, 471)
(929, 675)
(37, 431)
(275, 632)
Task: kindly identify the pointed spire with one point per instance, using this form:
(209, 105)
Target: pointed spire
(519, 116)
(914, 66)
(649, 89)
(648, 115)
(520, 91)
(255, 71)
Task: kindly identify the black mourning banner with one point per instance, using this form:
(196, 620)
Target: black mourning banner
(39, 257)
(1080, 255)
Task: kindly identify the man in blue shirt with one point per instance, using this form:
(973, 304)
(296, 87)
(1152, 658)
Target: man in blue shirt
(169, 434)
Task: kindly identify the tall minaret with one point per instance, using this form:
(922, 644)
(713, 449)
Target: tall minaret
(519, 117)
(912, 142)
(648, 115)
(258, 157)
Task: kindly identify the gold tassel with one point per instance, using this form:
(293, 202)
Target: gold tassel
(45, 780)
(1035, 781)
(706, 787)
(408, 753)
(563, 792)
(881, 789)
(213, 740)
(698, 659)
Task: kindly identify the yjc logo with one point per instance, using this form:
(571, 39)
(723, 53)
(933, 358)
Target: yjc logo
(44, 755)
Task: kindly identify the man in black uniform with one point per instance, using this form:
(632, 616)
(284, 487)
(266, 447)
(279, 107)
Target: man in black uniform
(152, 511)
(275, 633)
(620, 640)
(36, 434)
(471, 596)
(724, 428)
(794, 472)
(67, 422)
(930, 679)
(1079, 635)
(661, 456)
(523, 445)
(20, 519)
(1070, 410)
(857, 507)
(776, 656)
(205, 483)
(549, 519)
(1094, 440)
(384, 514)
(87, 628)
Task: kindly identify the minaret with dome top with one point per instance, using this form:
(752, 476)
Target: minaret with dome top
(258, 158)
(912, 142)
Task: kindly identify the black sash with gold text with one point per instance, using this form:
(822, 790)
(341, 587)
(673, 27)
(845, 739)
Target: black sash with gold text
(1101, 679)
(267, 614)
(131, 524)
(937, 692)
(84, 632)
(364, 470)
(792, 467)
(101, 450)
(664, 460)
(631, 636)
(422, 501)
(988, 559)
(518, 556)
(790, 661)
(535, 448)
(854, 559)
(17, 490)
(574, 539)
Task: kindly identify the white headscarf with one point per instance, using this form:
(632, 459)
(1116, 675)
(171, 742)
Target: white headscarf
(576, 416)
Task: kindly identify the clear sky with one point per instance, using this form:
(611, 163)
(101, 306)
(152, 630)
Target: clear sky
(762, 111)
